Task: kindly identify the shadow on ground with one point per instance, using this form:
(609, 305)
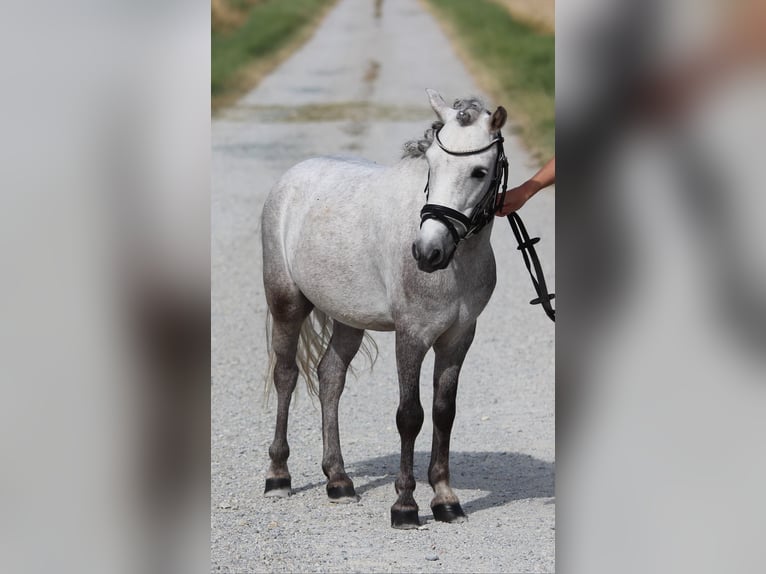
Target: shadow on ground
(502, 477)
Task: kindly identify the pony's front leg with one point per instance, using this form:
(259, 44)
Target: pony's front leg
(450, 351)
(409, 420)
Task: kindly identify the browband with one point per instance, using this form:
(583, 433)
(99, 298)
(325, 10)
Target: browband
(498, 139)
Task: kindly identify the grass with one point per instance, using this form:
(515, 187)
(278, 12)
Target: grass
(540, 14)
(513, 62)
(251, 37)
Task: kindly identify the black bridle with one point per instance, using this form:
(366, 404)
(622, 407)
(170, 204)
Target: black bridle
(484, 212)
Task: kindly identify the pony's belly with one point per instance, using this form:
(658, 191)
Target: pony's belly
(355, 312)
(371, 323)
(338, 269)
(356, 300)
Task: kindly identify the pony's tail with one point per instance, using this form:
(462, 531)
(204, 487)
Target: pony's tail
(315, 335)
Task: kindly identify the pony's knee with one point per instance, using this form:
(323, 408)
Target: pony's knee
(443, 412)
(409, 419)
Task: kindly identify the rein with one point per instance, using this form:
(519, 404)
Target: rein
(484, 212)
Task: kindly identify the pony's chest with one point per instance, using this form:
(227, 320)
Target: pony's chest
(460, 291)
(474, 289)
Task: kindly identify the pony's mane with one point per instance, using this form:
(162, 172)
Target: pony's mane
(469, 110)
(417, 148)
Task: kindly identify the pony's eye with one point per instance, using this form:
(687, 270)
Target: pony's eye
(479, 173)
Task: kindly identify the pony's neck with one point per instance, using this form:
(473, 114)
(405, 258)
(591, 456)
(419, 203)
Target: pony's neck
(469, 247)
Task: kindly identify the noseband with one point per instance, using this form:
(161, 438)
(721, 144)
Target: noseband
(484, 212)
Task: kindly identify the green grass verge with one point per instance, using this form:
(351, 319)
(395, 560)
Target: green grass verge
(514, 63)
(269, 27)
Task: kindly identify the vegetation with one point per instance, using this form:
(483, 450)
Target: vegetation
(251, 37)
(513, 61)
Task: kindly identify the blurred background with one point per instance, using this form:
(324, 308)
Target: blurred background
(661, 276)
(105, 329)
(105, 293)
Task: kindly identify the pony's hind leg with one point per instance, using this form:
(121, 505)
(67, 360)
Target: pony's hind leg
(288, 317)
(332, 370)
(450, 351)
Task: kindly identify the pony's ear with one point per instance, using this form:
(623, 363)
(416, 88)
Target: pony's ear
(441, 108)
(498, 119)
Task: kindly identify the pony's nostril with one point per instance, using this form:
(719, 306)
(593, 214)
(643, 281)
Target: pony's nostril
(435, 256)
(415, 252)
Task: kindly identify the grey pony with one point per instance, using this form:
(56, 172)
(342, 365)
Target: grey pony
(341, 237)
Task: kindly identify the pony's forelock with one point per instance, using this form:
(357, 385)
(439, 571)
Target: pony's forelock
(469, 110)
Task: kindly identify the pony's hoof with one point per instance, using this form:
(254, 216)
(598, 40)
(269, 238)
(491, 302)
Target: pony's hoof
(404, 519)
(449, 513)
(342, 494)
(278, 488)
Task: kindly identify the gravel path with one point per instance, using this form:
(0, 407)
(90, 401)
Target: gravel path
(357, 87)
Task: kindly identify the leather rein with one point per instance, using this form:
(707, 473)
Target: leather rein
(484, 212)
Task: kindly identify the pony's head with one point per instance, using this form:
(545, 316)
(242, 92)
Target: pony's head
(463, 165)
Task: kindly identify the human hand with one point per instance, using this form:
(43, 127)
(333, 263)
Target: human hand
(518, 196)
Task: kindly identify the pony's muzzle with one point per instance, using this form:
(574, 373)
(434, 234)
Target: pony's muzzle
(432, 256)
